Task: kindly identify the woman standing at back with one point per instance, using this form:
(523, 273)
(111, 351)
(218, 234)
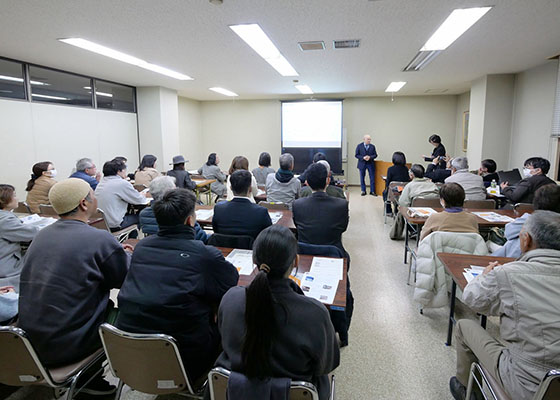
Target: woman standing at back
(41, 182)
(270, 329)
(147, 171)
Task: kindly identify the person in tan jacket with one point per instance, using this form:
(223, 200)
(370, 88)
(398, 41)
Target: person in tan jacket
(453, 218)
(147, 171)
(41, 182)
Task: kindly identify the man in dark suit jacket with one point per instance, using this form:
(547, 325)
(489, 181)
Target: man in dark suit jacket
(240, 216)
(320, 218)
(365, 153)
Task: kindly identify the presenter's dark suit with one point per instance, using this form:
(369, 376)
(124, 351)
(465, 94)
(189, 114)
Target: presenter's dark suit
(240, 216)
(364, 165)
(321, 219)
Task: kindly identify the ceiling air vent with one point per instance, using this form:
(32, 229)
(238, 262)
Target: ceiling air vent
(436, 91)
(421, 59)
(346, 44)
(305, 46)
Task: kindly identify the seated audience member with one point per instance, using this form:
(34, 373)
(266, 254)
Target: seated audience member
(319, 218)
(331, 190)
(147, 219)
(436, 173)
(68, 272)
(418, 186)
(13, 232)
(129, 177)
(398, 172)
(283, 186)
(535, 171)
(453, 218)
(271, 329)
(8, 305)
(115, 193)
(471, 183)
(261, 172)
(525, 295)
(240, 216)
(316, 157)
(488, 172)
(182, 177)
(210, 170)
(42, 180)
(547, 197)
(194, 284)
(237, 164)
(86, 170)
(147, 171)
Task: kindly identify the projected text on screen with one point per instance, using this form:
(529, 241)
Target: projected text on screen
(316, 124)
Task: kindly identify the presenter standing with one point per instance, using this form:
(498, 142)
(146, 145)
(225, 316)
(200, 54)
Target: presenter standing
(365, 153)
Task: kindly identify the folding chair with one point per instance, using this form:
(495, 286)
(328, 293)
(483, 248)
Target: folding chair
(482, 204)
(522, 208)
(140, 187)
(274, 206)
(148, 363)
(299, 390)
(391, 189)
(122, 234)
(20, 365)
(232, 241)
(23, 208)
(46, 209)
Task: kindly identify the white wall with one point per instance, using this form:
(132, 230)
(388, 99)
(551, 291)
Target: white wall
(232, 128)
(190, 133)
(463, 103)
(477, 110)
(532, 115)
(33, 132)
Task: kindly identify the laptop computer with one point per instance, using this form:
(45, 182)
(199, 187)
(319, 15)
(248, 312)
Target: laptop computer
(512, 177)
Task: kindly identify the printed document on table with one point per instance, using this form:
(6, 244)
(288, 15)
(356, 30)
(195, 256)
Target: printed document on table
(204, 215)
(492, 216)
(260, 192)
(421, 211)
(41, 222)
(319, 287)
(472, 272)
(242, 260)
(327, 267)
(275, 216)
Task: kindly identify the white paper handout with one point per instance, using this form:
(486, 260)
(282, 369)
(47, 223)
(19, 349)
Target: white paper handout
(204, 215)
(242, 260)
(260, 192)
(473, 272)
(275, 216)
(327, 267)
(319, 287)
(36, 220)
(421, 211)
(491, 216)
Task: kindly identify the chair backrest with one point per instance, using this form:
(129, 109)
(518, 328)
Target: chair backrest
(20, 363)
(46, 209)
(140, 187)
(549, 389)
(426, 202)
(320, 250)
(218, 380)
(149, 363)
(233, 241)
(274, 206)
(99, 221)
(483, 204)
(395, 184)
(23, 208)
(522, 208)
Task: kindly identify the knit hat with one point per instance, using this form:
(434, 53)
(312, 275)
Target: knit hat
(66, 195)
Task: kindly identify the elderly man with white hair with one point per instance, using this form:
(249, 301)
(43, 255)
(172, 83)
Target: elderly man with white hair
(472, 184)
(365, 153)
(331, 190)
(147, 220)
(86, 170)
(525, 294)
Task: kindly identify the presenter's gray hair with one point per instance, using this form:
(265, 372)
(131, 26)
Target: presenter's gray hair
(286, 161)
(544, 228)
(326, 164)
(460, 163)
(84, 163)
(161, 185)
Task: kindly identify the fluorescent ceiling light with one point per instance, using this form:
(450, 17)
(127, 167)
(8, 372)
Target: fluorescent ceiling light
(304, 89)
(458, 22)
(99, 93)
(14, 79)
(44, 96)
(395, 86)
(117, 55)
(223, 91)
(255, 37)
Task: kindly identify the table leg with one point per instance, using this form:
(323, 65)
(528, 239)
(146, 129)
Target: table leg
(451, 314)
(405, 240)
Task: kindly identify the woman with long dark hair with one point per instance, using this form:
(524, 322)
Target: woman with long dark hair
(270, 329)
(147, 171)
(210, 170)
(41, 182)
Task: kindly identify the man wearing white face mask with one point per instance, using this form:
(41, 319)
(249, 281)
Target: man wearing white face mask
(41, 182)
(534, 173)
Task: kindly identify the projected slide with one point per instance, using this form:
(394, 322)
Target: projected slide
(314, 124)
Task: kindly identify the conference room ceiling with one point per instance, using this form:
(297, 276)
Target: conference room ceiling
(193, 37)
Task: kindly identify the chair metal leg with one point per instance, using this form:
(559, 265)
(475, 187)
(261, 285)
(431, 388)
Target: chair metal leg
(70, 392)
(119, 390)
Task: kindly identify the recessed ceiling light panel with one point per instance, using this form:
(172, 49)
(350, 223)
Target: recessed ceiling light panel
(306, 46)
(223, 91)
(304, 89)
(395, 87)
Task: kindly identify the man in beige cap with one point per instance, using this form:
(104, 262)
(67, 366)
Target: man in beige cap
(67, 274)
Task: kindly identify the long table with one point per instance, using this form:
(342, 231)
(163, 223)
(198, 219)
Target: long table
(286, 220)
(304, 265)
(455, 264)
(418, 222)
